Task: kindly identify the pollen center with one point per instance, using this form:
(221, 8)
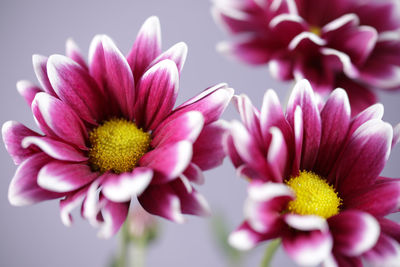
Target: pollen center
(314, 196)
(117, 145)
(316, 30)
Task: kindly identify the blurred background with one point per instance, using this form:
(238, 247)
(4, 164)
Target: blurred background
(35, 236)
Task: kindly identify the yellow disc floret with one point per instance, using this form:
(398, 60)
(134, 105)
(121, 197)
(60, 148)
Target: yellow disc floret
(314, 196)
(316, 30)
(117, 145)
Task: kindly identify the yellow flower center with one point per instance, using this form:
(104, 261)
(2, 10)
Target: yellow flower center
(314, 196)
(117, 145)
(316, 30)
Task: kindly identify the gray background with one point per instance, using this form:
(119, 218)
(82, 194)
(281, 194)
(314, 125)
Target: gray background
(35, 236)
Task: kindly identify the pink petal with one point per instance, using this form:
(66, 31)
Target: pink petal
(308, 248)
(298, 139)
(211, 103)
(176, 53)
(114, 215)
(245, 238)
(75, 87)
(13, 133)
(364, 157)
(285, 27)
(28, 90)
(170, 160)
(340, 61)
(58, 119)
(55, 149)
(91, 205)
(303, 96)
(157, 92)
(146, 47)
(277, 156)
(69, 203)
(306, 222)
(396, 135)
(122, 187)
(353, 232)
(64, 177)
(370, 113)
(111, 71)
(185, 127)
(307, 39)
(73, 52)
(251, 50)
(161, 200)
(231, 151)
(390, 228)
(208, 151)
(335, 120)
(40, 68)
(378, 199)
(24, 189)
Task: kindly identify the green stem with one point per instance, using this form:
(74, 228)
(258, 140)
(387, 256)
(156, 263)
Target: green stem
(139, 253)
(123, 253)
(270, 252)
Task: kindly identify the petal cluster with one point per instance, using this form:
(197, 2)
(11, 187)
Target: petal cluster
(270, 146)
(75, 97)
(349, 44)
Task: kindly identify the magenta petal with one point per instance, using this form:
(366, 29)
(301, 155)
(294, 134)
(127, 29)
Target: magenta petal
(245, 238)
(370, 113)
(56, 118)
(194, 174)
(390, 228)
(277, 156)
(364, 157)
(298, 139)
(208, 151)
(40, 68)
(211, 103)
(122, 187)
(335, 120)
(75, 87)
(192, 202)
(251, 50)
(55, 149)
(28, 90)
(170, 160)
(111, 71)
(396, 135)
(378, 199)
(13, 133)
(114, 215)
(272, 115)
(176, 53)
(64, 177)
(24, 189)
(231, 151)
(385, 253)
(73, 52)
(185, 127)
(353, 232)
(91, 205)
(161, 200)
(304, 97)
(308, 248)
(69, 203)
(157, 92)
(146, 47)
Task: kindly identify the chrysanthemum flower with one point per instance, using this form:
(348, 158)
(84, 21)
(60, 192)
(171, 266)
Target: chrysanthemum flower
(111, 133)
(314, 179)
(350, 44)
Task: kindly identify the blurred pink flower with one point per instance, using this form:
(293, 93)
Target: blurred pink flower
(314, 179)
(351, 44)
(111, 133)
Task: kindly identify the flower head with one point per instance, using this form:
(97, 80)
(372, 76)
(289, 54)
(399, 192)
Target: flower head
(111, 133)
(314, 178)
(349, 44)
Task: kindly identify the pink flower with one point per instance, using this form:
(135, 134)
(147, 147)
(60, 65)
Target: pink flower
(111, 133)
(350, 44)
(314, 179)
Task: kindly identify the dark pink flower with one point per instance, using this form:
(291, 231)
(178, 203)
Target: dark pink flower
(351, 44)
(111, 133)
(314, 178)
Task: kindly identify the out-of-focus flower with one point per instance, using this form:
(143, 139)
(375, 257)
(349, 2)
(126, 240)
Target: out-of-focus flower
(314, 179)
(351, 44)
(111, 133)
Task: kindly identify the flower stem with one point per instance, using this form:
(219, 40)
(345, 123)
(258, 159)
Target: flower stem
(139, 254)
(270, 252)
